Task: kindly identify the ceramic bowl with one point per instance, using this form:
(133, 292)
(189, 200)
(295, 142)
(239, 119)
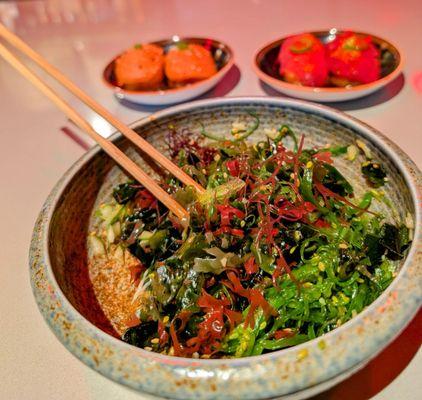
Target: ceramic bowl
(223, 57)
(59, 258)
(267, 70)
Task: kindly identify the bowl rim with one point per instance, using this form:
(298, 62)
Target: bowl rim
(392, 151)
(321, 89)
(162, 92)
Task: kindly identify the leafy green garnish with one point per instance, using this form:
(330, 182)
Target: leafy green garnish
(182, 45)
(221, 192)
(238, 136)
(216, 265)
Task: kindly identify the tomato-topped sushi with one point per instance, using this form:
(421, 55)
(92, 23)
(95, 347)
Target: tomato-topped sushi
(187, 63)
(302, 61)
(353, 59)
(141, 67)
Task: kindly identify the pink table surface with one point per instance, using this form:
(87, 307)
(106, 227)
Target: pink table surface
(79, 37)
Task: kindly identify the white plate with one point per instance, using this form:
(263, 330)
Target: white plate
(264, 67)
(223, 57)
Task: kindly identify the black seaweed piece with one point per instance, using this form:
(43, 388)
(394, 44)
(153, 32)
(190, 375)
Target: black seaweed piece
(126, 192)
(148, 259)
(395, 241)
(374, 249)
(141, 334)
(392, 243)
(374, 173)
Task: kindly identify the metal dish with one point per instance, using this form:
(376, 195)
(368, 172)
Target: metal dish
(265, 67)
(223, 57)
(59, 260)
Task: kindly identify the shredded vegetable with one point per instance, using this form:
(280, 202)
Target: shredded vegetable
(278, 251)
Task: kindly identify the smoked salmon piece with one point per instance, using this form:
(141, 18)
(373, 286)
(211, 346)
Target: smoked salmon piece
(302, 61)
(140, 68)
(353, 59)
(188, 63)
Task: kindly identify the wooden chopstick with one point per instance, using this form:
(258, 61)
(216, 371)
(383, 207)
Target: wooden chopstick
(113, 151)
(141, 143)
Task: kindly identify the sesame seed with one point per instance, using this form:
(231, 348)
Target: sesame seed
(309, 164)
(155, 341)
(166, 319)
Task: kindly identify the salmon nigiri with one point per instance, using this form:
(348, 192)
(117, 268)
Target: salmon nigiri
(140, 68)
(189, 63)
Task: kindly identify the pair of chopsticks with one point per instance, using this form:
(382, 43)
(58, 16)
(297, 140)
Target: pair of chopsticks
(113, 151)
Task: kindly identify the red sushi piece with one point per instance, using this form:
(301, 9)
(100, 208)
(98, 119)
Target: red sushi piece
(353, 59)
(302, 61)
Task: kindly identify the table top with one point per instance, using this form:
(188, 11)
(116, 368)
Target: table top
(79, 37)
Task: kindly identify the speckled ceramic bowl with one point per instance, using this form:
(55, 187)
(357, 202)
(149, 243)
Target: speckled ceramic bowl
(61, 285)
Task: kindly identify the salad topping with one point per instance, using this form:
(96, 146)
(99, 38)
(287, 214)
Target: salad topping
(278, 251)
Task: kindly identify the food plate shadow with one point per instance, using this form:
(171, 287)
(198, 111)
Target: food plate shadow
(382, 370)
(140, 107)
(226, 85)
(380, 96)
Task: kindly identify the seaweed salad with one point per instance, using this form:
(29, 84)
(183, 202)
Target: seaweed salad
(279, 249)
